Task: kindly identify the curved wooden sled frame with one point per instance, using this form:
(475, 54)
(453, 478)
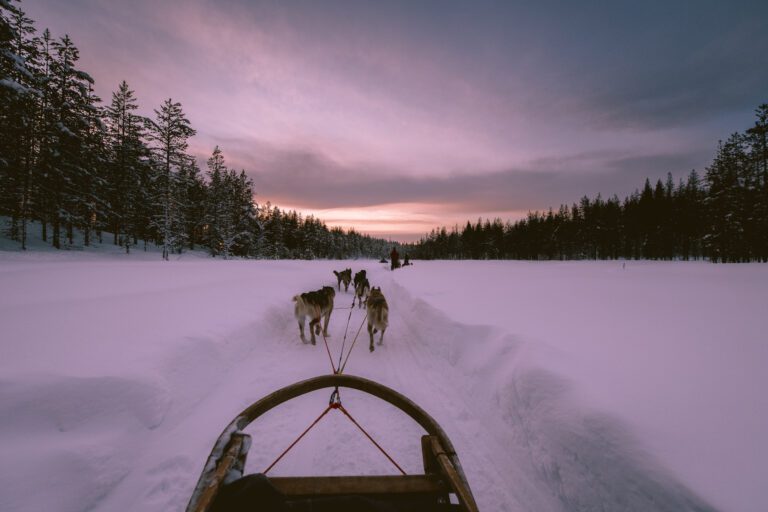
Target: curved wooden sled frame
(443, 471)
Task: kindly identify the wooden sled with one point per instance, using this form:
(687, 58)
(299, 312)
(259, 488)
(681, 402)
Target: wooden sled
(442, 480)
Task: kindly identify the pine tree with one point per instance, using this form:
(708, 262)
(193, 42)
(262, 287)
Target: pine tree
(127, 156)
(67, 177)
(757, 140)
(18, 105)
(192, 197)
(215, 199)
(93, 206)
(244, 212)
(724, 202)
(169, 132)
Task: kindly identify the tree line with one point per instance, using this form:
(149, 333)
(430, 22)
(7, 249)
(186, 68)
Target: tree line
(75, 165)
(723, 218)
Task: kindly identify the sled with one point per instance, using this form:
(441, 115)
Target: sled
(442, 487)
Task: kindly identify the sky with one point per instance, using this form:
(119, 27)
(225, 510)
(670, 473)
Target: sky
(396, 117)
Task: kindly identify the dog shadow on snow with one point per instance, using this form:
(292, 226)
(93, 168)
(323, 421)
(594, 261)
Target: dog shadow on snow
(589, 461)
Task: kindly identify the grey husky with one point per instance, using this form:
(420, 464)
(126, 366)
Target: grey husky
(344, 276)
(378, 314)
(362, 290)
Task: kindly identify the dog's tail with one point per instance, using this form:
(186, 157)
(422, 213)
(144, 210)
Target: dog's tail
(336, 273)
(298, 300)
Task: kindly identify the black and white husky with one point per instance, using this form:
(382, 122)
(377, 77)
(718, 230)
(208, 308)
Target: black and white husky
(314, 305)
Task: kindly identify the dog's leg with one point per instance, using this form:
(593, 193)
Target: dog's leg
(301, 330)
(314, 326)
(370, 333)
(326, 318)
(381, 339)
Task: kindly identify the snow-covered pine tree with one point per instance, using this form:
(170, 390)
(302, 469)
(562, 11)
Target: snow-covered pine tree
(245, 211)
(192, 198)
(169, 133)
(309, 238)
(273, 246)
(19, 95)
(214, 201)
(93, 206)
(72, 108)
(757, 139)
(127, 155)
(236, 213)
(724, 201)
(230, 215)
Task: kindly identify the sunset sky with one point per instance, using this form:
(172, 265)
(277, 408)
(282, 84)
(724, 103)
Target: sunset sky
(395, 117)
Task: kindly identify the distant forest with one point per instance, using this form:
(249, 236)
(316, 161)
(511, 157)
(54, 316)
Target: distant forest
(73, 164)
(723, 218)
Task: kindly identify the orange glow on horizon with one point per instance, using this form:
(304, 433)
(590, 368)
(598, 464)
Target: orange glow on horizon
(402, 222)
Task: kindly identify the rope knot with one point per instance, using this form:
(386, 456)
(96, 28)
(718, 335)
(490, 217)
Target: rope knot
(335, 400)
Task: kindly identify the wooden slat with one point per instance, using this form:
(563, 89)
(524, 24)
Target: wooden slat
(228, 460)
(430, 462)
(465, 497)
(333, 485)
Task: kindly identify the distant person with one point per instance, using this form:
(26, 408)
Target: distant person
(395, 258)
(406, 260)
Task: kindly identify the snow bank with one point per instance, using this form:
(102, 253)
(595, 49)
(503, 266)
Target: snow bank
(677, 352)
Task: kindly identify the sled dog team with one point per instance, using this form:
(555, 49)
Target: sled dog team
(318, 305)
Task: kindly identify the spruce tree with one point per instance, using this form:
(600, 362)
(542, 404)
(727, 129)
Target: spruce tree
(128, 155)
(19, 91)
(169, 132)
(214, 203)
(757, 140)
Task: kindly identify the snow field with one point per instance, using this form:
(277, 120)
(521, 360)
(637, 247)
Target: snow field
(118, 375)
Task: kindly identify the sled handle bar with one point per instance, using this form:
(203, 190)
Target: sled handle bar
(297, 389)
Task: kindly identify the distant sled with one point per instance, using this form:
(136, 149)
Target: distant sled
(223, 487)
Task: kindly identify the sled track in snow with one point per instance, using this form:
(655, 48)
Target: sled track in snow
(521, 440)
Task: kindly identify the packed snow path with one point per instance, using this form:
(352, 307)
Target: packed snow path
(121, 374)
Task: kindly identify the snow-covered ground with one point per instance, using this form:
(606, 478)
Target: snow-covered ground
(564, 386)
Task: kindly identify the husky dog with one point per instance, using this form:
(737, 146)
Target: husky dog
(345, 276)
(378, 314)
(314, 305)
(359, 276)
(362, 290)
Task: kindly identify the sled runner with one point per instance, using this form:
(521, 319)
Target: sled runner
(223, 487)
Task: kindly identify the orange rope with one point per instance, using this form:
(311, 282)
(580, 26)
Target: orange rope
(298, 439)
(342, 409)
(329, 354)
